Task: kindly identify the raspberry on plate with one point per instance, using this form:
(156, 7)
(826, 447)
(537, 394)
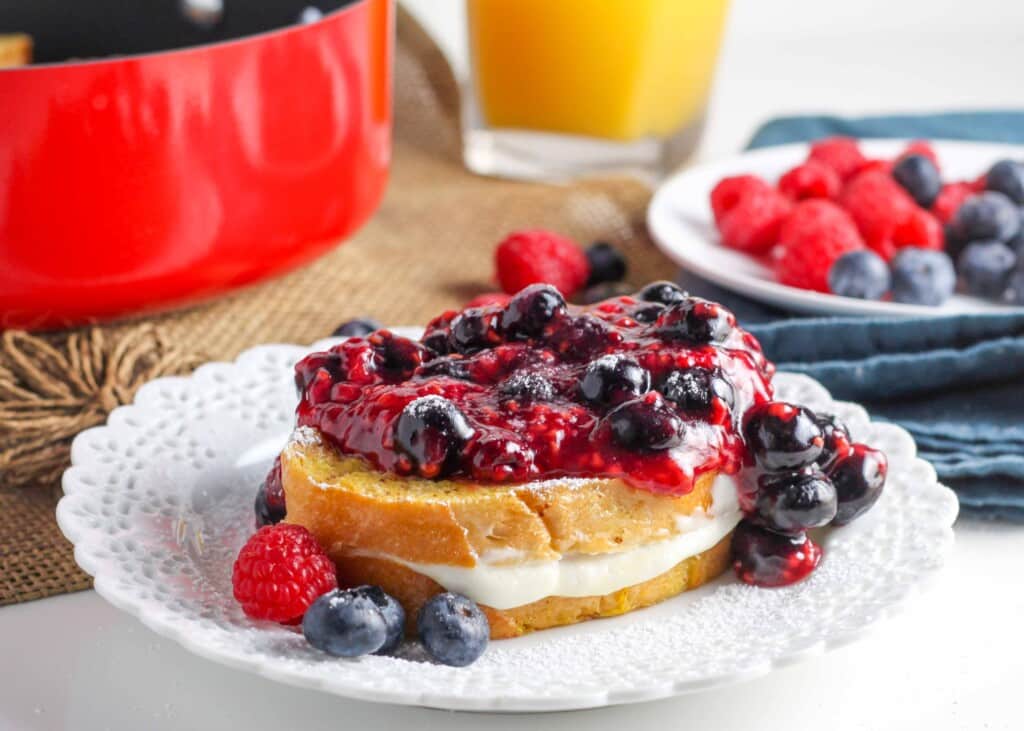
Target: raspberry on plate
(812, 179)
(839, 153)
(753, 224)
(816, 234)
(949, 200)
(280, 572)
(879, 207)
(920, 229)
(532, 257)
(729, 191)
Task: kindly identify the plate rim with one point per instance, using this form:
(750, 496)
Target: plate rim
(105, 584)
(785, 296)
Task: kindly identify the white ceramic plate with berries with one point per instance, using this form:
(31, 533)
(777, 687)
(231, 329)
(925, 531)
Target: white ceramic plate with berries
(159, 501)
(682, 223)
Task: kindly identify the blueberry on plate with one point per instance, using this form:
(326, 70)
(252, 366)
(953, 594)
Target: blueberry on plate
(693, 389)
(837, 440)
(858, 479)
(922, 277)
(792, 502)
(919, 177)
(988, 215)
(766, 558)
(526, 388)
(531, 309)
(612, 379)
(393, 613)
(1007, 177)
(430, 431)
(662, 292)
(985, 268)
(860, 274)
(783, 436)
(646, 424)
(270, 505)
(606, 263)
(453, 629)
(356, 328)
(345, 623)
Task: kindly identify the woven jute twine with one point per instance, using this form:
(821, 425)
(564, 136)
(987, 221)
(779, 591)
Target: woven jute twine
(428, 248)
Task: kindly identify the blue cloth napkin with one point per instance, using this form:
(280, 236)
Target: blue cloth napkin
(955, 383)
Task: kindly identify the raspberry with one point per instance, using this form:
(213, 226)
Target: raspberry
(949, 200)
(879, 207)
(921, 230)
(533, 257)
(923, 148)
(753, 224)
(488, 299)
(731, 191)
(810, 180)
(839, 153)
(280, 572)
(884, 166)
(817, 233)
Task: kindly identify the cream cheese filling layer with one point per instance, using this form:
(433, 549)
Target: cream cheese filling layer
(503, 585)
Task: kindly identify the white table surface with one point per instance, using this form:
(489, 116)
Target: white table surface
(953, 660)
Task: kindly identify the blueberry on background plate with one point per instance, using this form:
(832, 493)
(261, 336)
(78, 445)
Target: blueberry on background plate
(356, 328)
(606, 263)
(345, 623)
(922, 277)
(988, 215)
(453, 629)
(985, 268)
(919, 177)
(1007, 177)
(860, 274)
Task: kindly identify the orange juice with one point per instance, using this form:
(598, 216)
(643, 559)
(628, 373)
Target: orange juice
(614, 69)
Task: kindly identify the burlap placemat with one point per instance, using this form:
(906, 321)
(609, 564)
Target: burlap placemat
(429, 247)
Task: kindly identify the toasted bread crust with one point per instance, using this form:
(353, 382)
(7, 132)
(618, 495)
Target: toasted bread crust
(347, 504)
(413, 589)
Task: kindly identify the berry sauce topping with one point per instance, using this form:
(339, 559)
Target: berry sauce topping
(650, 388)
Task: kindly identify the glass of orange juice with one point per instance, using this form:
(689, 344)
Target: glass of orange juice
(560, 88)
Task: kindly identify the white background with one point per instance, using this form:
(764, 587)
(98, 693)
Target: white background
(953, 660)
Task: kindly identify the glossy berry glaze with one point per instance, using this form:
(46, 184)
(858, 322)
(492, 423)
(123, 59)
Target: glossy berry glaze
(541, 390)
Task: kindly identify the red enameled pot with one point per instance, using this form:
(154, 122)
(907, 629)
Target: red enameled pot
(158, 177)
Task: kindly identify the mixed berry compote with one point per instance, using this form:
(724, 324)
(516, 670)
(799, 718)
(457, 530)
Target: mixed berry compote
(656, 389)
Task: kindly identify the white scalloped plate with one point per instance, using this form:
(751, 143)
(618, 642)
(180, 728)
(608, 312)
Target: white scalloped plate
(159, 501)
(679, 219)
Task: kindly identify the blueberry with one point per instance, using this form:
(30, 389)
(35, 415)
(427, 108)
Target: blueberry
(453, 629)
(919, 177)
(646, 424)
(527, 387)
(356, 328)
(696, 321)
(922, 277)
(648, 312)
(612, 379)
(473, 330)
(438, 341)
(1014, 292)
(391, 611)
(860, 274)
(765, 558)
(858, 479)
(1007, 177)
(782, 436)
(606, 263)
(395, 357)
(837, 440)
(662, 292)
(988, 215)
(431, 431)
(692, 390)
(270, 505)
(985, 268)
(345, 623)
(531, 309)
(604, 291)
(453, 366)
(792, 502)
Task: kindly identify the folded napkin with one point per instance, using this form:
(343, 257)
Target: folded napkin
(955, 383)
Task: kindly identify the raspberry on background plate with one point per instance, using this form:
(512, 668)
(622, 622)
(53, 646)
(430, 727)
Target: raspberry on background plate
(729, 191)
(753, 224)
(812, 179)
(842, 154)
(950, 198)
(816, 234)
(878, 206)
